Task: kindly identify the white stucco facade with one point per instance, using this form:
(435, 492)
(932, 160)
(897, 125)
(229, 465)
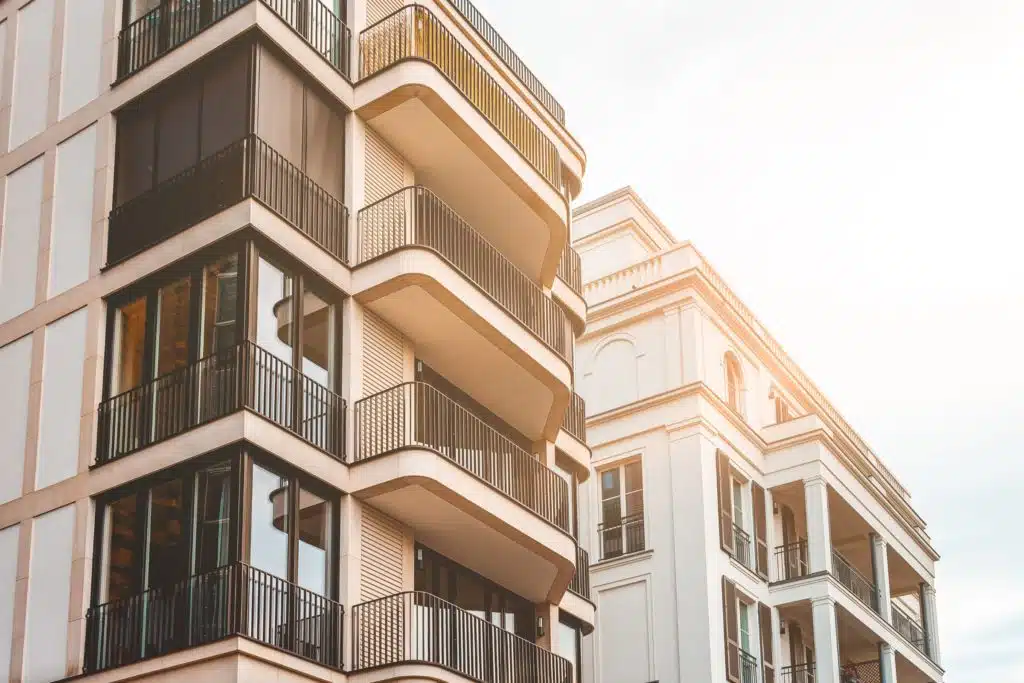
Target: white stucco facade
(761, 540)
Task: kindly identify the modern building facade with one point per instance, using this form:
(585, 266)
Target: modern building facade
(287, 326)
(739, 529)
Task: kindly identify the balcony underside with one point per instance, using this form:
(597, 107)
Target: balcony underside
(467, 163)
(461, 517)
(582, 609)
(578, 452)
(468, 338)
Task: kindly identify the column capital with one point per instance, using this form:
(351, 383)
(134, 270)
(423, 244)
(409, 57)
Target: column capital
(878, 540)
(823, 600)
(815, 480)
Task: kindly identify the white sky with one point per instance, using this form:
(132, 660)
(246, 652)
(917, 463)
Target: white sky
(854, 170)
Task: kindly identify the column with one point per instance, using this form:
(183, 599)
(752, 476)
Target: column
(930, 621)
(819, 532)
(880, 569)
(887, 662)
(826, 640)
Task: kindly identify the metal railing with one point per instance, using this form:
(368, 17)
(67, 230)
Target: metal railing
(248, 167)
(862, 672)
(415, 216)
(798, 673)
(791, 560)
(846, 574)
(748, 667)
(744, 546)
(413, 32)
(418, 415)
(239, 377)
(580, 584)
(622, 537)
(172, 24)
(418, 627)
(910, 628)
(575, 422)
(234, 600)
(570, 269)
(511, 59)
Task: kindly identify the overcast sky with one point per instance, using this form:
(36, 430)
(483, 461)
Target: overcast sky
(855, 170)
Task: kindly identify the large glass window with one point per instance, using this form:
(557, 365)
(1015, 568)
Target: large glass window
(213, 518)
(274, 310)
(172, 343)
(129, 346)
(270, 524)
(622, 510)
(314, 535)
(220, 305)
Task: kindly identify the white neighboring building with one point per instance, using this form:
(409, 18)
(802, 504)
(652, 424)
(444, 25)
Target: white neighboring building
(739, 529)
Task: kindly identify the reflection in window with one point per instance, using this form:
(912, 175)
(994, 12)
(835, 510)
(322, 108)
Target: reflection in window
(317, 342)
(213, 517)
(165, 555)
(274, 310)
(220, 305)
(122, 547)
(268, 536)
(172, 326)
(130, 346)
(314, 532)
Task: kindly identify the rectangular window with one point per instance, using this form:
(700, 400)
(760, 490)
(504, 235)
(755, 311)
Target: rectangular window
(220, 305)
(129, 346)
(622, 510)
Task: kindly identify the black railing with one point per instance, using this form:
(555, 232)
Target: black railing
(910, 628)
(511, 59)
(580, 584)
(575, 422)
(246, 168)
(798, 673)
(414, 32)
(415, 216)
(417, 415)
(846, 574)
(240, 377)
(622, 537)
(748, 667)
(174, 23)
(234, 600)
(862, 672)
(744, 547)
(422, 628)
(570, 269)
(791, 560)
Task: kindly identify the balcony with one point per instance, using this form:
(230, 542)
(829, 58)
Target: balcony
(234, 600)
(242, 377)
(580, 584)
(171, 25)
(910, 629)
(422, 630)
(744, 548)
(568, 287)
(797, 673)
(248, 168)
(623, 537)
(748, 667)
(855, 582)
(472, 314)
(469, 141)
(790, 561)
(433, 465)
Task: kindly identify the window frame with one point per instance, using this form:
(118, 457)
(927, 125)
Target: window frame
(735, 387)
(620, 466)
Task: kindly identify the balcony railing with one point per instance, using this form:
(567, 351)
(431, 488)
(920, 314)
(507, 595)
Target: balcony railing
(622, 537)
(846, 574)
(570, 269)
(240, 377)
(413, 32)
(744, 547)
(580, 584)
(175, 23)
(234, 600)
(422, 628)
(863, 672)
(417, 415)
(748, 667)
(247, 168)
(910, 628)
(791, 560)
(415, 216)
(575, 422)
(798, 673)
(511, 59)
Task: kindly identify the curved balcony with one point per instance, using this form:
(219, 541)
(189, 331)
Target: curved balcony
(171, 25)
(246, 169)
(471, 313)
(242, 377)
(576, 600)
(433, 465)
(568, 287)
(422, 631)
(233, 600)
(433, 101)
(572, 437)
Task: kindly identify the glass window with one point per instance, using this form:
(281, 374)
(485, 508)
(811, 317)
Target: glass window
(269, 522)
(178, 134)
(166, 556)
(568, 645)
(173, 326)
(280, 108)
(317, 338)
(622, 488)
(212, 517)
(314, 534)
(325, 145)
(129, 346)
(136, 150)
(122, 547)
(634, 488)
(139, 8)
(744, 627)
(274, 310)
(220, 305)
(225, 103)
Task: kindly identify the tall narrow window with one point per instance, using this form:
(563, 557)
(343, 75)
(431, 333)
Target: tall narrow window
(212, 517)
(270, 522)
(122, 547)
(172, 326)
(622, 510)
(220, 305)
(274, 310)
(314, 534)
(734, 382)
(129, 346)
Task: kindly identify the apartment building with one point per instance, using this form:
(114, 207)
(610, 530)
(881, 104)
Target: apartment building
(287, 324)
(739, 528)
